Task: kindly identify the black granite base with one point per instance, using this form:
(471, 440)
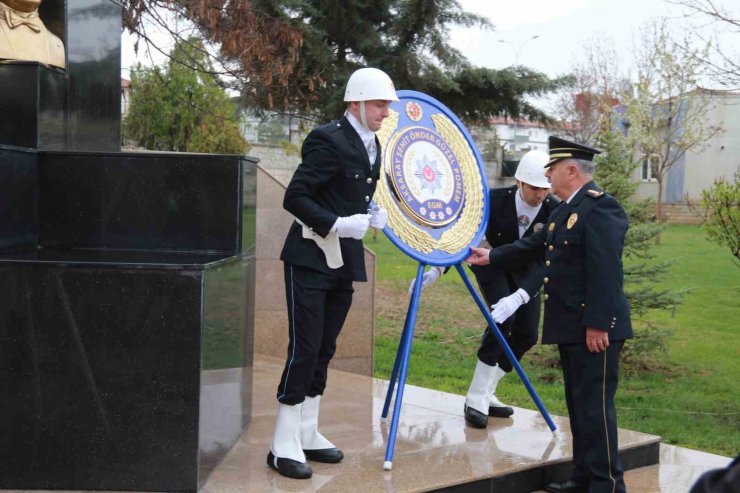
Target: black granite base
(120, 373)
(33, 105)
(19, 198)
(536, 478)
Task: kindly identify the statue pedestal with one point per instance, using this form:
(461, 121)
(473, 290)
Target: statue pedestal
(127, 321)
(126, 328)
(33, 103)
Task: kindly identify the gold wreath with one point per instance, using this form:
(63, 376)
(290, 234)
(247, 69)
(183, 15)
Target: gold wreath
(461, 234)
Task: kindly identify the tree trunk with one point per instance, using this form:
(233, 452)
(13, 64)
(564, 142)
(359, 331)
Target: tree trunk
(659, 208)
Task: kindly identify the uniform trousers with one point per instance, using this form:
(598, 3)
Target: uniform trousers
(520, 330)
(317, 307)
(590, 384)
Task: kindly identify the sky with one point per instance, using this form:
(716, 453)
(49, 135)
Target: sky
(562, 28)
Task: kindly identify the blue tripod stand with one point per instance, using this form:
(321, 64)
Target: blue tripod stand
(403, 353)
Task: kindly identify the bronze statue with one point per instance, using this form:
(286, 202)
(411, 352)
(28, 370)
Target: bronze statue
(23, 35)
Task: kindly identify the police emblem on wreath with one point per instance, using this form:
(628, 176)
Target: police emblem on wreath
(426, 176)
(432, 181)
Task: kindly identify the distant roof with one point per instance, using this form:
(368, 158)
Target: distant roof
(717, 92)
(521, 122)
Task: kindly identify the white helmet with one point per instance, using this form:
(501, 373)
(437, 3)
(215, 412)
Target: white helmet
(531, 169)
(367, 84)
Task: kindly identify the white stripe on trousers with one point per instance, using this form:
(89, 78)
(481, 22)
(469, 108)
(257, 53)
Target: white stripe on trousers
(292, 328)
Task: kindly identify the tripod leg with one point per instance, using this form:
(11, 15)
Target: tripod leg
(507, 350)
(394, 374)
(406, 343)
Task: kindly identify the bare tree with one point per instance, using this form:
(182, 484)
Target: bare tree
(597, 84)
(667, 116)
(719, 62)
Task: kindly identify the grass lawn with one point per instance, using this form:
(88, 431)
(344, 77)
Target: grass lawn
(693, 402)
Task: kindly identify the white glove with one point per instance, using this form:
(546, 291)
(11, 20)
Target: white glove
(427, 279)
(507, 305)
(378, 217)
(352, 226)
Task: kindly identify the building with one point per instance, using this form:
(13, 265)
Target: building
(520, 136)
(503, 143)
(272, 127)
(697, 170)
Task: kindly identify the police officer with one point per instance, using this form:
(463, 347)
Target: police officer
(514, 212)
(329, 195)
(586, 311)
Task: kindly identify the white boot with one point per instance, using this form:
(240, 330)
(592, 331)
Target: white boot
(498, 374)
(496, 407)
(480, 387)
(315, 445)
(311, 439)
(286, 455)
(286, 441)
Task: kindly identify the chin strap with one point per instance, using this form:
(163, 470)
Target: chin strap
(363, 116)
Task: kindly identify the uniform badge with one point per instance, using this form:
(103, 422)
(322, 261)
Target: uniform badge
(537, 227)
(551, 227)
(595, 193)
(572, 220)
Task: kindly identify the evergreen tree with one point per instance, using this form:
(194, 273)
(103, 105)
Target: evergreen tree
(296, 55)
(409, 40)
(175, 108)
(641, 271)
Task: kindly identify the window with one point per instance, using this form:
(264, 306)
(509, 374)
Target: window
(646, 172)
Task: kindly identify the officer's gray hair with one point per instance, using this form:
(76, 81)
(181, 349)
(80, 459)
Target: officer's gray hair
(586, 167)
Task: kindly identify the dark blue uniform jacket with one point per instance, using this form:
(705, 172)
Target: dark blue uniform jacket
(502, 229)
(333, 180)
(583, 281)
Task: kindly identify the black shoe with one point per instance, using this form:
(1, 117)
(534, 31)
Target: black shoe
(500, 412)
(569, 486)
(476, 419)
(327, 455)
(289, 468)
